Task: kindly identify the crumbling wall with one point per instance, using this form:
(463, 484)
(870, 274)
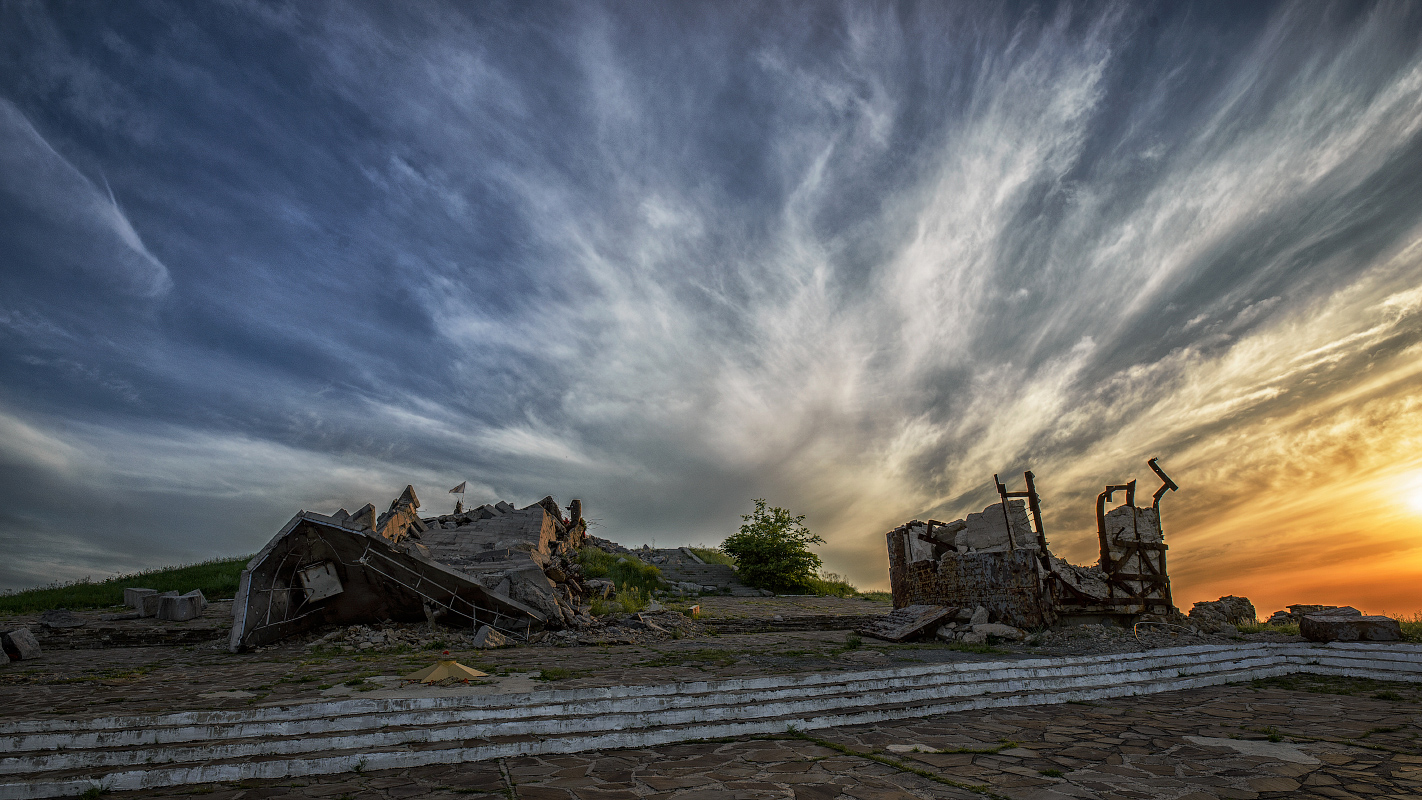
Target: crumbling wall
(513, 569)
(995, 559)
(988, 559)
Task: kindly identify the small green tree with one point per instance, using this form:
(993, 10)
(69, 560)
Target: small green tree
(772, 550)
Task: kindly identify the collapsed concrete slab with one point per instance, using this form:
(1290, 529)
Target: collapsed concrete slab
(998, 559)
(511, 569)
(1339, 626)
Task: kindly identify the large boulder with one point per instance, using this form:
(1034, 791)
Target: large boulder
(20, 644)
(1354, 627)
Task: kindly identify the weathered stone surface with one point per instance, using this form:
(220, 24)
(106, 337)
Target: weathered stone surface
(20, 644)
(1347, 628)
(979, 616)
(903, 623)
(133, 597)
(180, 608)
(61, 618)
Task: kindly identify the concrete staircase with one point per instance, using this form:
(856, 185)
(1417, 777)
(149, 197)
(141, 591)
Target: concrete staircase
(56, 758)
(680, 565)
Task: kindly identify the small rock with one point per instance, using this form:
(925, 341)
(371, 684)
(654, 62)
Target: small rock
(20, 644)
(973, 637)
(979, 617)
(61, 618)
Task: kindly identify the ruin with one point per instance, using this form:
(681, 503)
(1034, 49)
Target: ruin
(998, 560)
(510, 569)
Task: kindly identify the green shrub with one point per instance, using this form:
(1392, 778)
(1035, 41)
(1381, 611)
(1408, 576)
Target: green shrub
(626, 572)
(216, 578)
(772, 550)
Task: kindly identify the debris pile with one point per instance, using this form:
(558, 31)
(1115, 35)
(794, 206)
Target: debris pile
(998, 559)
(514, 570)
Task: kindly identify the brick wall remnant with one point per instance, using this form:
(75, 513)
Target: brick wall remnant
(998, 559)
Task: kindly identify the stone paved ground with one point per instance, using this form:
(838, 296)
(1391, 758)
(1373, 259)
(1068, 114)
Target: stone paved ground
(1295, 737)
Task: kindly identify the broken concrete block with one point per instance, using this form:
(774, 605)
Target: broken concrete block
(903, 623)
(1000, 631)
(1345, 628)
(979, 617)
(180, 608)
(149, 603)
(59, 618)
(487, 638)
(20, 644)
(133, 598)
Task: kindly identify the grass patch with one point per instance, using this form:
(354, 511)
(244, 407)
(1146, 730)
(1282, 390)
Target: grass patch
(217, 579)
(829, 584)
(626, 572)
(1288, 629)
(1411, 626)
(697, 658)
(981, 649)
(1050, 773)
(712, 555)
(879, 597)
(1392, 691)
(554, 674)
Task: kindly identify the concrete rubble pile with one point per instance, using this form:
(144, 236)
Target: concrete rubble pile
(1223, 615)
(512, 570)
(997, 560)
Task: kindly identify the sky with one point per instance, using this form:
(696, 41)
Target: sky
(855, 259)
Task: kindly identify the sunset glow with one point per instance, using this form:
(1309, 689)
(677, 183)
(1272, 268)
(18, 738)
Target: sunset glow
(854, 259)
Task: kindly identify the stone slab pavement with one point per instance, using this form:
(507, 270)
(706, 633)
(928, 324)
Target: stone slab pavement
(1297, 736)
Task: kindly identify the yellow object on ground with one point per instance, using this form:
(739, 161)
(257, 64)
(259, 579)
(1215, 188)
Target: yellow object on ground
(445, 670)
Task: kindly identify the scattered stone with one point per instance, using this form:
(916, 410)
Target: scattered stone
(1349, 628)
(20, 644)
(903, 623)
(59, 618)
(488, 639)
(979, 616)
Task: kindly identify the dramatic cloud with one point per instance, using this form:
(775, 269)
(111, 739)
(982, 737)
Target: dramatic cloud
(856, 260)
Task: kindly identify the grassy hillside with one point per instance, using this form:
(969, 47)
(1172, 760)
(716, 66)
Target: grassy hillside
(217, 579)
